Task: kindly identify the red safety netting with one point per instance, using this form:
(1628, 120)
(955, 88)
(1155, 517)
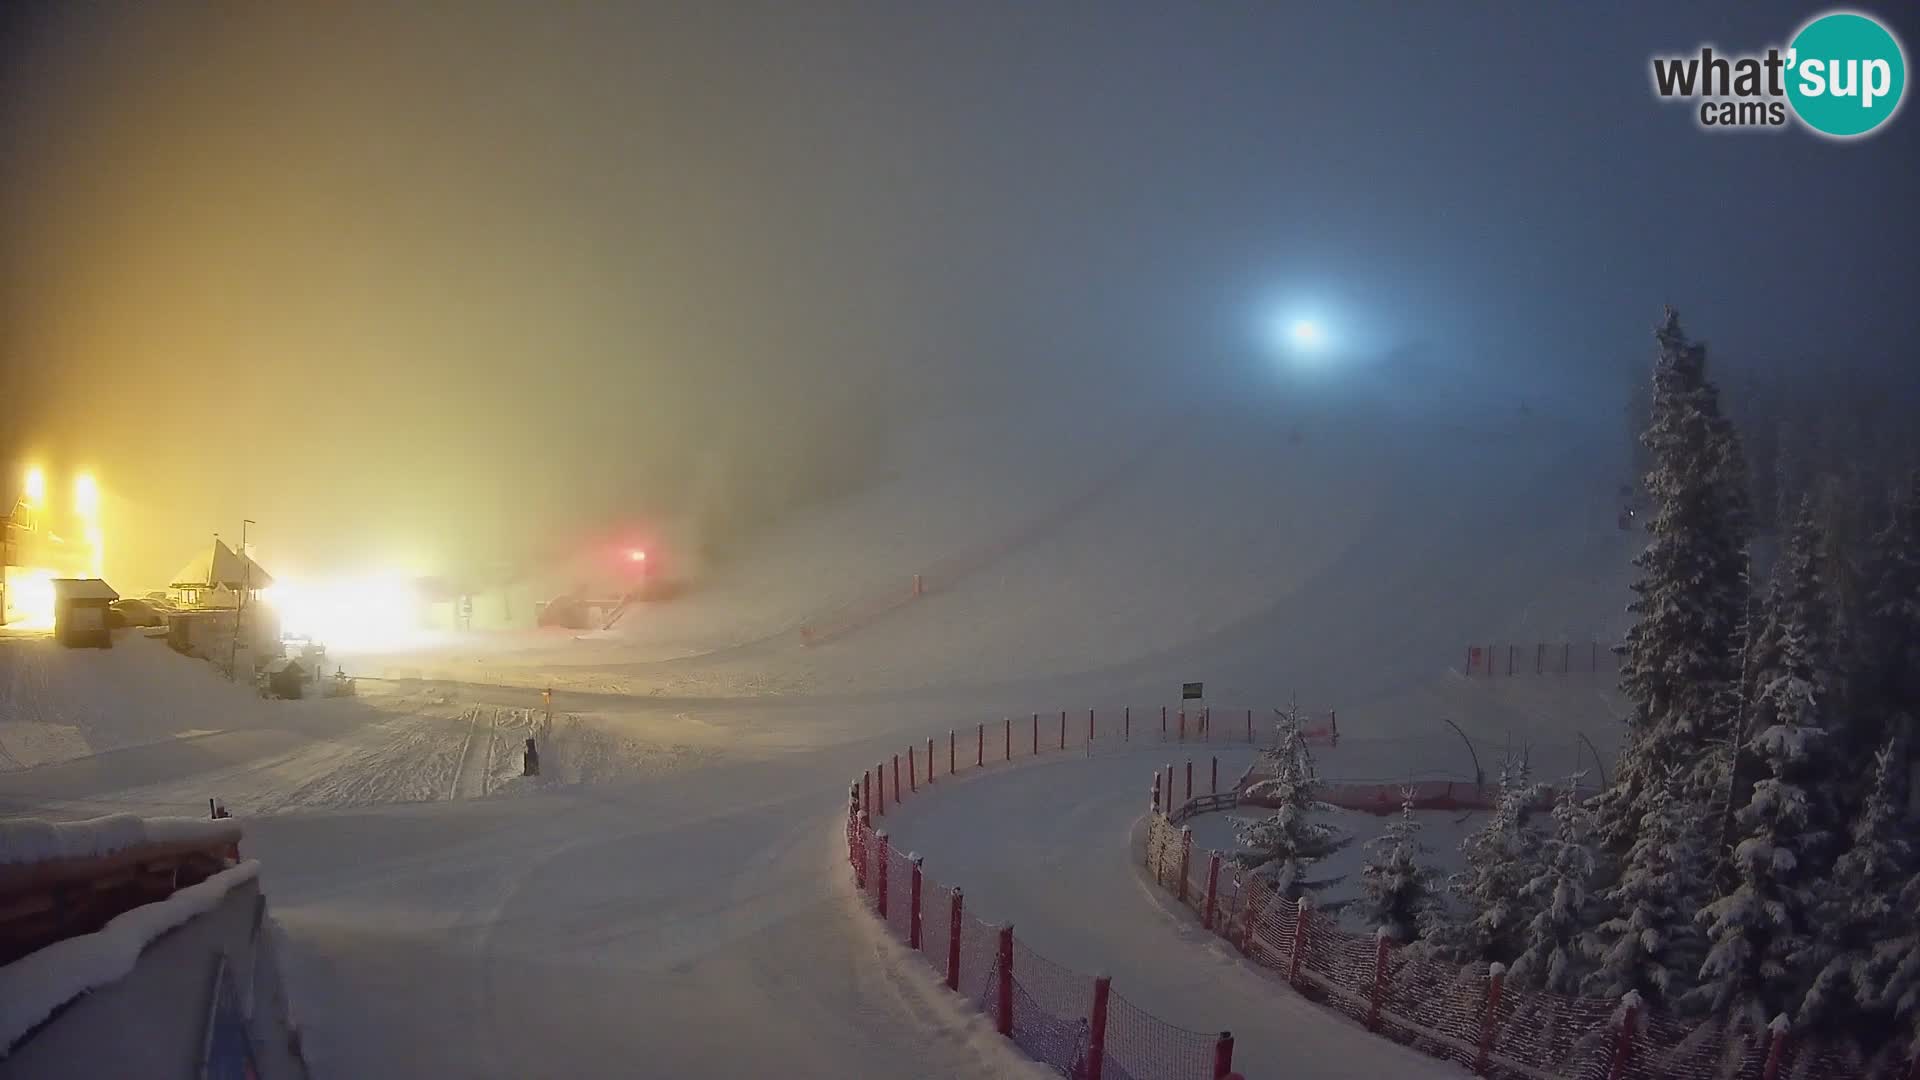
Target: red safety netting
(1051, 1005)
(1141, 1045)
(1442, 1010)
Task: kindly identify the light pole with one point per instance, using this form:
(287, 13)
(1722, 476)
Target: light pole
(240, 604)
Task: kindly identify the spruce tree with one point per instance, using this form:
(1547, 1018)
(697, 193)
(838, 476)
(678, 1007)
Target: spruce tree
(1759, 949)
(1561, 898)
(1284, 846)
(1889, 690)
(1888, 983)
(1649, 942)
(1489, 916)
(1397, 887)
(1680, 669)
(1855, 909)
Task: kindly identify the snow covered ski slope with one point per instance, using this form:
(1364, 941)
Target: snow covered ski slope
(666, 899)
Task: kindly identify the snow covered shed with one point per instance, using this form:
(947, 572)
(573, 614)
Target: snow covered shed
(80, 612)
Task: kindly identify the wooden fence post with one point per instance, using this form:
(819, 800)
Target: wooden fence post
(1776, 1046)
(913, 912)
(1156, 791)
(980, 746)
(1063, 729)
(912, 785)
(880, 880)
(950, 747)
(1186, 858)
(1223, 1056)
(1623, 1039)
(1009, 721)
(1489, 1020)
(1126, 724)
(1213, 786)
(896, 778)
(1380, 944)
(953, 942)
(1303, 911)
(1036, 733)
(1189, 780)
(1097, 1028)
(1003, 1016)
(880, 787)
(1213, 888)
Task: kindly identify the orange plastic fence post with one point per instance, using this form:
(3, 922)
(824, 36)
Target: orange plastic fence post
(1186, 858)
(913, 898)
(953, 942)
(1623, 1039)
(1223, 1056)
(1003, 1019)
(880, 879)
(1097, 1028)
(1380, 944)
(1213, 888)
(1490, 1020)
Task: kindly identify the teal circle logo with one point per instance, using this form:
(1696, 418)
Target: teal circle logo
(1845, 75)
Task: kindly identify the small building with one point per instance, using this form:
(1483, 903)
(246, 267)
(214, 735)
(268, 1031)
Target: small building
(286, 678)
(218, 579)
(80, 608)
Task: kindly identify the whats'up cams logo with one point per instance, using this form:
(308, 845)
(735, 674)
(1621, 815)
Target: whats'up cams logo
(1842, 76)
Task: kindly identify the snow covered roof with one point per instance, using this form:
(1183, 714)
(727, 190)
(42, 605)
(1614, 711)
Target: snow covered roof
(221, 566)
(83, 589)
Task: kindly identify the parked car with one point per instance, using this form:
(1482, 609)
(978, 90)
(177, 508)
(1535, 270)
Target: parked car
(136, 612)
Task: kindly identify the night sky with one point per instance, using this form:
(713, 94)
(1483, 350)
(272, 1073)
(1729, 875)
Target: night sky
(440, 280)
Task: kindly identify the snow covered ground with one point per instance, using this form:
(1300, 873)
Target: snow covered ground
(665, 898)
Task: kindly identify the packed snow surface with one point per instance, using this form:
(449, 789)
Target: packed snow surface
(664, 895)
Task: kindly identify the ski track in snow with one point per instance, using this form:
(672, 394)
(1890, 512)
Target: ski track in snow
(664, 871)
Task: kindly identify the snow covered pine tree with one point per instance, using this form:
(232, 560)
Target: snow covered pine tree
(1648, 942)
(1489, 919)
(1855, 910)
(1396, 886)
(1680, 667)
(1759, 948)
(1561, 899)
(1283, 846)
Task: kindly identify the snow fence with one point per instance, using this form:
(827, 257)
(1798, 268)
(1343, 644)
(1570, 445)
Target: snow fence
(1466, 1014)
(1075, 1022)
